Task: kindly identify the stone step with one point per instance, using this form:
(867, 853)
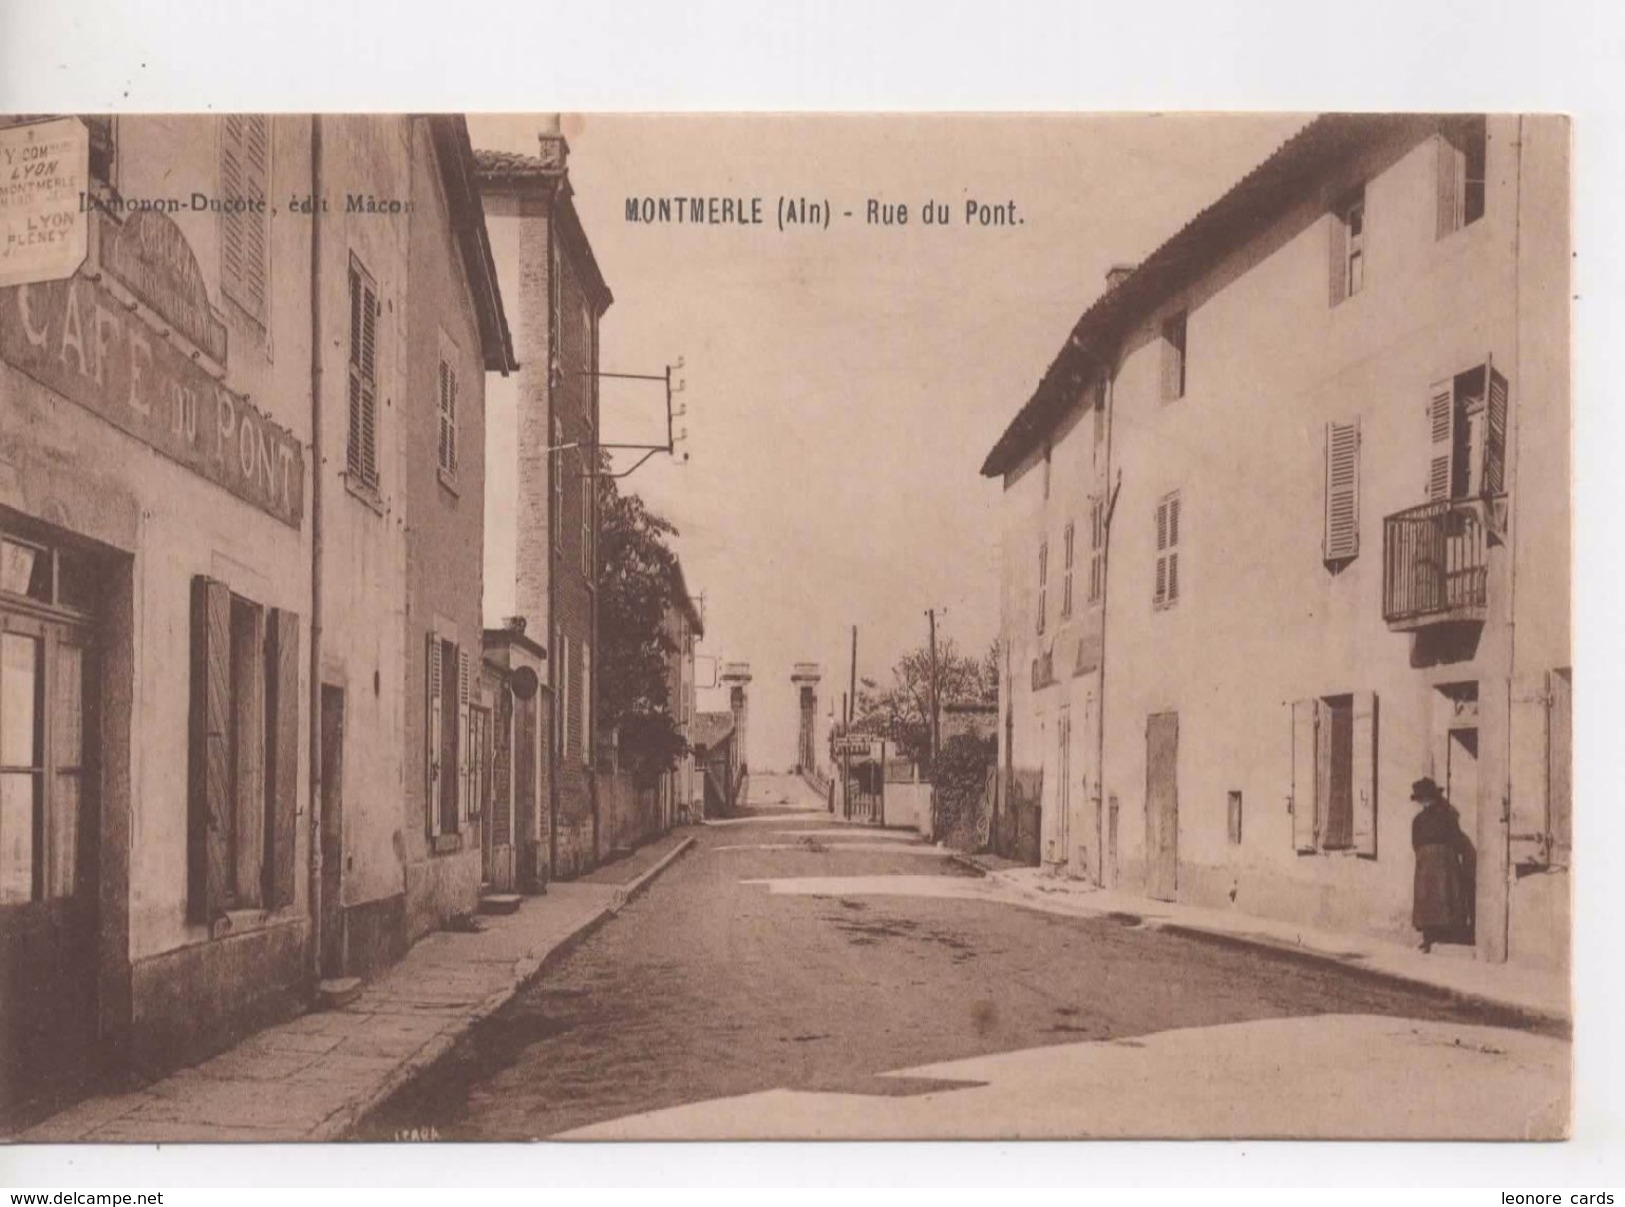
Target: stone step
(501, 903)
(337, 993)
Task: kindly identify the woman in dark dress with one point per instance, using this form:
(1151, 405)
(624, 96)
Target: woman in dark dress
(1440, 903)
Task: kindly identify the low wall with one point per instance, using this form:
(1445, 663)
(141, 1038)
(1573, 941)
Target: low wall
(909, 806)
(629, 814)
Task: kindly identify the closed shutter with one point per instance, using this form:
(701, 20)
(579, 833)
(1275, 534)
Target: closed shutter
(245, 172)
(283, 763)
(1167, 585)
(1364, 774)
(210, 795)
(586, 704)
(1495, 437)
(432, 733)
(362, 446)
(1442, 434)
(1338, 265)
(1305, 774)
(1451, 174)
(464, 740)
(1342, 528)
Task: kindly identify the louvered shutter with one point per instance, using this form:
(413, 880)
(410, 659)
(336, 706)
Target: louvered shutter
(1363, 788)
(1338, 264)
(369, 385)
(1442, 433)
(432, 733)
(245, 172)
(1305, 777)
(443, 452)
(210, 794)
(283, 763)
(233, 178)
(1452, 171)
(1173, 549)
(1559, 767)
(1495, 436)
(451, 414)
(1342, 529)
(465, 744)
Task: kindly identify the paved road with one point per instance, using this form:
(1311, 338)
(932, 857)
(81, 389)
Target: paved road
(711, 987)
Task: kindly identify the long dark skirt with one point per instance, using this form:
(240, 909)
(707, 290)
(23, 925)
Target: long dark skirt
(1440, 895)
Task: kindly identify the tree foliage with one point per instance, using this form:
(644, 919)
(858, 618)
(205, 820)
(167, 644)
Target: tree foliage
(637, 583)
(901, 712)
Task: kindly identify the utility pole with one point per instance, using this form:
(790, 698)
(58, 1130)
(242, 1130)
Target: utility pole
(936, 704)
(852, 691)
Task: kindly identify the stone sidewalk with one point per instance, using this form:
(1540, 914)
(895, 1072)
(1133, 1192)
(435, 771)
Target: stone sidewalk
(314, 1077)
(1539, 994)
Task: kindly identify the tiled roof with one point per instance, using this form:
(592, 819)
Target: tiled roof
(1257, 199)
(513, 165)
(709, 728)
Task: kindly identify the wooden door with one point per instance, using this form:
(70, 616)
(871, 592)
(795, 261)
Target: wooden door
(1063, 787)
(332, 831)
(1162, 805)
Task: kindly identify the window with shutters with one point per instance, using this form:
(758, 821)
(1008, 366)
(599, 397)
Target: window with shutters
(244, 734)
(1463, 159)
(245, 230)
(361, 444)
(1097, 406)
(1348, 246)
(1097, 549)
(1334, 774)
(586, 703)
(1341, 539)
(556, 520)
(564, 695)
(1173, 357)
(1166, 591)
(1467, 427)
(446, 448)
(1043, 584)
(448, 770)
(1066, 571)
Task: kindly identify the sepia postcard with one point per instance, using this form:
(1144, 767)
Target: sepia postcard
(785, 627)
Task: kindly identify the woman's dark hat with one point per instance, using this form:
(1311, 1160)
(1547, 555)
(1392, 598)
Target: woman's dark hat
(1425, 790)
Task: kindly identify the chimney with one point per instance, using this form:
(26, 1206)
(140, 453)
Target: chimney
(553, 150)
(1117, 274)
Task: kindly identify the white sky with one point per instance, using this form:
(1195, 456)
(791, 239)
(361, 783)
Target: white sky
(844, 385)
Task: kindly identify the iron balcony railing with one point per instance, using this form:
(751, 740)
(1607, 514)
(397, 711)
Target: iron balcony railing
(1435, 562)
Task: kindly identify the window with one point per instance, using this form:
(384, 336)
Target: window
(245, 236)
(1167, 586)
(1043, 584)
(1334, 747)
(1066, 577)
(1467, 422)
(361, 447)
(1097, 404)
(564, 694)
(447, 448)
(1348, 246)
(1341, 540)
(586, 703)
(1463, 161)
(1097, 549)
(1234, 818)
(587, 484)
(244, 742)
(449, 774)
(1047, 462)
(1173, 357)
(557, 518)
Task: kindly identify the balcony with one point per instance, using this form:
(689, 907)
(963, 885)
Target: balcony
(1435, 564)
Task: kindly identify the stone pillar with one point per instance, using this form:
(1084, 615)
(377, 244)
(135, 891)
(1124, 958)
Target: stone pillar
(806, 678)
(737, 676)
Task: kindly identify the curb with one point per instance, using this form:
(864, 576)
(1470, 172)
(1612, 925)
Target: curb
(351, 1114)
(1516, 1013)
(627, 892)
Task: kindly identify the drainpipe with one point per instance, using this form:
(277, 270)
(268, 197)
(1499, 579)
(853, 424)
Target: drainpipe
(315, 886)
(555, 749)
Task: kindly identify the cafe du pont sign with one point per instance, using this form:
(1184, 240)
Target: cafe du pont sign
(133, 337)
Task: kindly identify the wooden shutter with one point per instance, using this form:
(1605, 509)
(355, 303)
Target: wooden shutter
(282, 790)
(1342, 528)
(586, 704)
(1173, 548)
(433, 729)
(1364, 776)
(1305, 773)
(1495, 434)
(1338, 263)
(1451, 174)
(1442, 434)
(209, 771)
(245, 172)
(369, 384)
(465, 744)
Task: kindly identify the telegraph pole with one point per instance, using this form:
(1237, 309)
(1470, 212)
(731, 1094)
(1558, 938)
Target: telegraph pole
(936, 707)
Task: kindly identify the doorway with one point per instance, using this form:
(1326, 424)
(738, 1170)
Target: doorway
(49, 849)
(1060, 840)
(332, 830)
(1162, 805)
